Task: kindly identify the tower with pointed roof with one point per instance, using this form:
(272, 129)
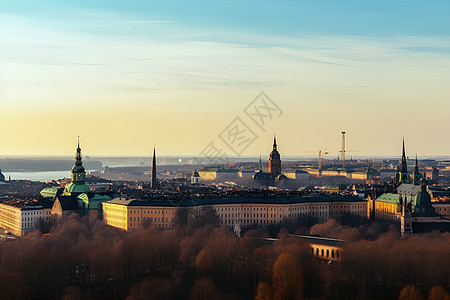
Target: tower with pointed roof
(416, 176)
(153, 183)
(274, 159)
(402, 170)
(195, 177)
(78, 184)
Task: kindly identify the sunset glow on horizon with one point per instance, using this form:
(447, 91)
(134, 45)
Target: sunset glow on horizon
(125, 76)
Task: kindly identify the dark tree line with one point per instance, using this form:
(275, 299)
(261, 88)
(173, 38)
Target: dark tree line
(82, 258)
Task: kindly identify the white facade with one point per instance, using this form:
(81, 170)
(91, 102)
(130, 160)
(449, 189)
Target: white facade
(248, 214)
(21, 220)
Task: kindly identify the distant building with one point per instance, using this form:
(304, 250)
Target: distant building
(219, 174)
(274, 173)
(195, 177)
(2, 177)
(298, 175)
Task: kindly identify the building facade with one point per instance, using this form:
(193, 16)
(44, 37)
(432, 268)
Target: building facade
(19, 217)
(232, 211)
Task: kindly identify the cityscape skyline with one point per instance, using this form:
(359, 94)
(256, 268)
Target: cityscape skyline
(127, 76)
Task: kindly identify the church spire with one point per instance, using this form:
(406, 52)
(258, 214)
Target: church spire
(416, 168)
(274, 142)
(78, 161)
(404, 164)
(153, 179)
(260, 162)
(78, 184)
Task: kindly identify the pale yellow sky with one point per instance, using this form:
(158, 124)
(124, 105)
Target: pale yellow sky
(124, 94)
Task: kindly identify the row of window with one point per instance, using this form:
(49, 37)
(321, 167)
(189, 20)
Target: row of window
(159, 226)
(325, 254)
(151, 212)
(156, 219)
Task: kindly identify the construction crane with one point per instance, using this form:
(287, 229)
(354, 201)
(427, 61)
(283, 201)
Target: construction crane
(321, 152)
(320, 158)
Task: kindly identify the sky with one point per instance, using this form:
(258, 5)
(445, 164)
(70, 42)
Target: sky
(128, 75)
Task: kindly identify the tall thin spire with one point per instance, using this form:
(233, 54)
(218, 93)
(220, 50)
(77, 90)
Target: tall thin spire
(416, 168)
(153, 179)
(404, 167)
(260, 162)
(78, 161)
(274, 142)
(403, 151)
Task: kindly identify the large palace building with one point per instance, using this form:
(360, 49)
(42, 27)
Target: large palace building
(233, 211)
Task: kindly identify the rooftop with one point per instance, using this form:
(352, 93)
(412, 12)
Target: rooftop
(194, 201)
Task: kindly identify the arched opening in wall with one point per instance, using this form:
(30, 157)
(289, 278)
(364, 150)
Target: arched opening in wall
(322, 252)
(337, 253)
(328, 253)
(317, 251)
(332, 253)
(312, 251)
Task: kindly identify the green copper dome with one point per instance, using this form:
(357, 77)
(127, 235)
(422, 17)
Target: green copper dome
(76, 188)
(422, 205)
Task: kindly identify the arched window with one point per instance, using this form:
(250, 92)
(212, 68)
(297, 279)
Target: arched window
(317, 251)
(337, 253)
(312, 251)
(332, 253)
(328, 253)
(322, 252)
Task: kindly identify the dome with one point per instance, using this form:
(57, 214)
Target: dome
(281, 177)
(76, 188)
(195, 174)
(260, 175)
(423, 203)
(78, 169)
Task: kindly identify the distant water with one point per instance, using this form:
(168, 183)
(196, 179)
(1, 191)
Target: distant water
(37, 176)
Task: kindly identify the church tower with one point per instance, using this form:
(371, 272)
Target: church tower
(153, 183)
(416, 174)
(274, 159)
(402, 170)
(78, 184)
